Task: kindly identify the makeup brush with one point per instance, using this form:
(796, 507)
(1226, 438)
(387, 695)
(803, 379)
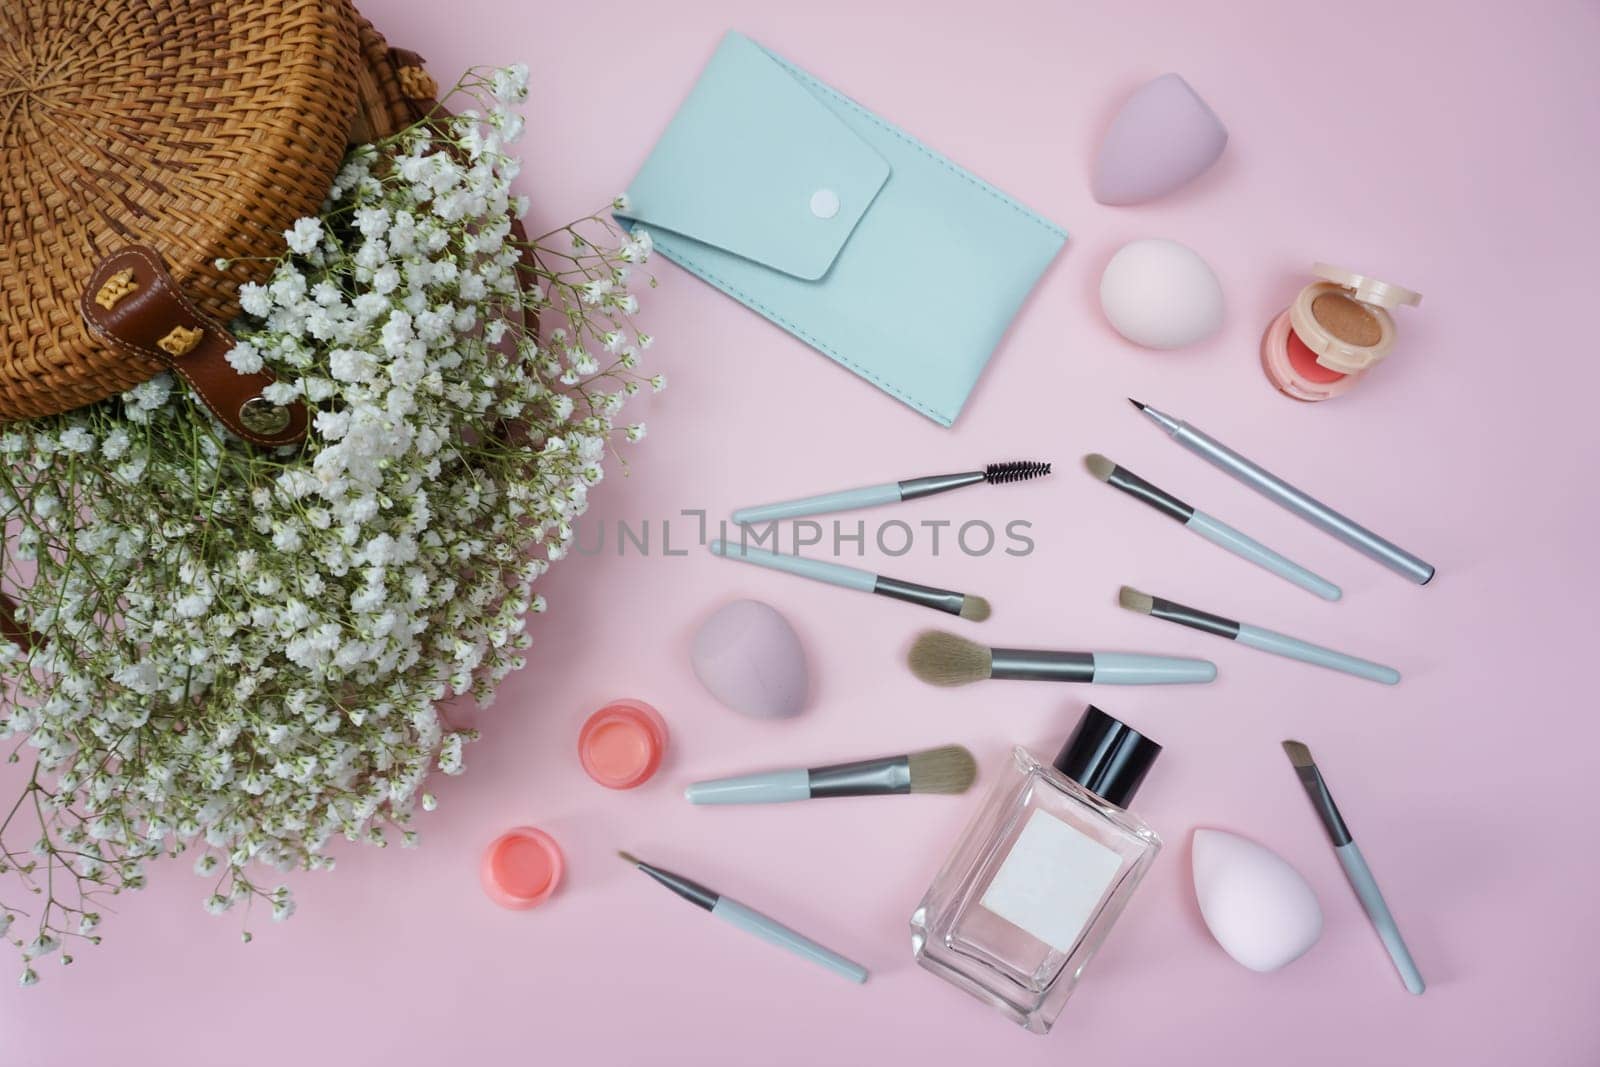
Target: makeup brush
(948, 769)
(1287, 496)
(1216, 531)
(891, 492)
(751, 921)
(945, 659)
(969, 607)
(1255, 637)
(1355, 865)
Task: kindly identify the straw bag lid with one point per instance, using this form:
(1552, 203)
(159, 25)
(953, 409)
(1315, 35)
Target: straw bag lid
(191, 129)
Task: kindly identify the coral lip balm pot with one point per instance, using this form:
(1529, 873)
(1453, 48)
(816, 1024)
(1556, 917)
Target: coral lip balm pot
(621, 745)
(1335, 330)
(522, 867)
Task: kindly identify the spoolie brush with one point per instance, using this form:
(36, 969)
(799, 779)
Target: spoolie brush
(945, 659)
(948, 769)
(969, 606)
(892, 492)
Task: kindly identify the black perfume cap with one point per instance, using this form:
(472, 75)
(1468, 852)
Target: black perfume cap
(1107, 757)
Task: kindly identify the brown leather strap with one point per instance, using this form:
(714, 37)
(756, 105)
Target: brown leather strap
(12, 629)
(132, 304)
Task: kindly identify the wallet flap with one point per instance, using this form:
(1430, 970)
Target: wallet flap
(756, 165)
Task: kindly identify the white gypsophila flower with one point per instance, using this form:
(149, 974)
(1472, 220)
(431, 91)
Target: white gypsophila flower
(245, 358)
(303, 236)
(244, 648)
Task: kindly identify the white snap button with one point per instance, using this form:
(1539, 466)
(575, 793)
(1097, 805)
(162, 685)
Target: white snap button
(824, 203)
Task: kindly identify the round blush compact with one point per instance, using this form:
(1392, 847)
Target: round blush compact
(521, 868)
(1335, 330)
(620, 746)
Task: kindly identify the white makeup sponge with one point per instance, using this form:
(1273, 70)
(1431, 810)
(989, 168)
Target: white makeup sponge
(1260, 910)
(1160, 294)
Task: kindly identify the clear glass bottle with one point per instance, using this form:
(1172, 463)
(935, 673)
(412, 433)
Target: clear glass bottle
(1041, 874)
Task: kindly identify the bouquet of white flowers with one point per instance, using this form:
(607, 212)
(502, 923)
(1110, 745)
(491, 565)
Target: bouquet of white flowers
(238, 653)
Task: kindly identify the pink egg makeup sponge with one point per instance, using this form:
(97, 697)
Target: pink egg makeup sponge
(1260, 910)
(750, 659)
(1164, 137)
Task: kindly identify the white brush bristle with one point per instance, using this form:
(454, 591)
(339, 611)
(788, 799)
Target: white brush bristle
(940, 658)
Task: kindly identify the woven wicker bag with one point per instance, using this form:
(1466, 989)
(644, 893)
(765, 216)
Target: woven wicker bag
(140, 141)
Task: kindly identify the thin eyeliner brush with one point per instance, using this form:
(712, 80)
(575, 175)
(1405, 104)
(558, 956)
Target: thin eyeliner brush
(751, 921)
(1287, 496)
(891, 492)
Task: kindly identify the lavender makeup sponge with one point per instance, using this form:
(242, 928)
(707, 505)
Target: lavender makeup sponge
(750, 659)
(1163, 137)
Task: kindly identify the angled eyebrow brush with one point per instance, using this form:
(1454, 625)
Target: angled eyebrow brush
(1216, 531)
(1355, 865)
(891, 492)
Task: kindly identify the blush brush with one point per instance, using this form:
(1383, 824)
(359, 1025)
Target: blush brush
(945, 659)
(891, 492)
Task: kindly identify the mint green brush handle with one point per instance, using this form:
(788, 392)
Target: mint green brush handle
(1366, 887)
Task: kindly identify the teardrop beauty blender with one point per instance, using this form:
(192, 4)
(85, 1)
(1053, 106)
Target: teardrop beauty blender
(1164, 137)
(1260, 910)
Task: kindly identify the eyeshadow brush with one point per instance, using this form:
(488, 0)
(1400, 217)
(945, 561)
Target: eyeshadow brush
(949, 769)
(1254, 636)
(945, 659)
(1214, 530)
(1355, 865)
(751, 921)
(891, 492)
(968, 606)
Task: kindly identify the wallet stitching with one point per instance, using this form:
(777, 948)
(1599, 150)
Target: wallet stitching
(820, 345)
(1036, 219)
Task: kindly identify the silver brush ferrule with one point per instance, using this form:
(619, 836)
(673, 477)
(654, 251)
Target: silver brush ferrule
(1322, 800)
(912, 488)
(1041, 665)
(926, 595)
(863, 778)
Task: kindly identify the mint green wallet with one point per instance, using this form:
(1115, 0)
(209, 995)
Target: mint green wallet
(844, 230)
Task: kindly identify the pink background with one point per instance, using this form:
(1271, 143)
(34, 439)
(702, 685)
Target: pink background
(1447, 147)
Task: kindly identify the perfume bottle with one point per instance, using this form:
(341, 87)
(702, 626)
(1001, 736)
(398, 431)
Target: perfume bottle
(1041, 874)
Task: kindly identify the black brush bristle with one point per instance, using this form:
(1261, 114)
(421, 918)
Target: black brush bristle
(1016, 471)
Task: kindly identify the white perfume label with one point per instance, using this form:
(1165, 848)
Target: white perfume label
(1051, 882)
